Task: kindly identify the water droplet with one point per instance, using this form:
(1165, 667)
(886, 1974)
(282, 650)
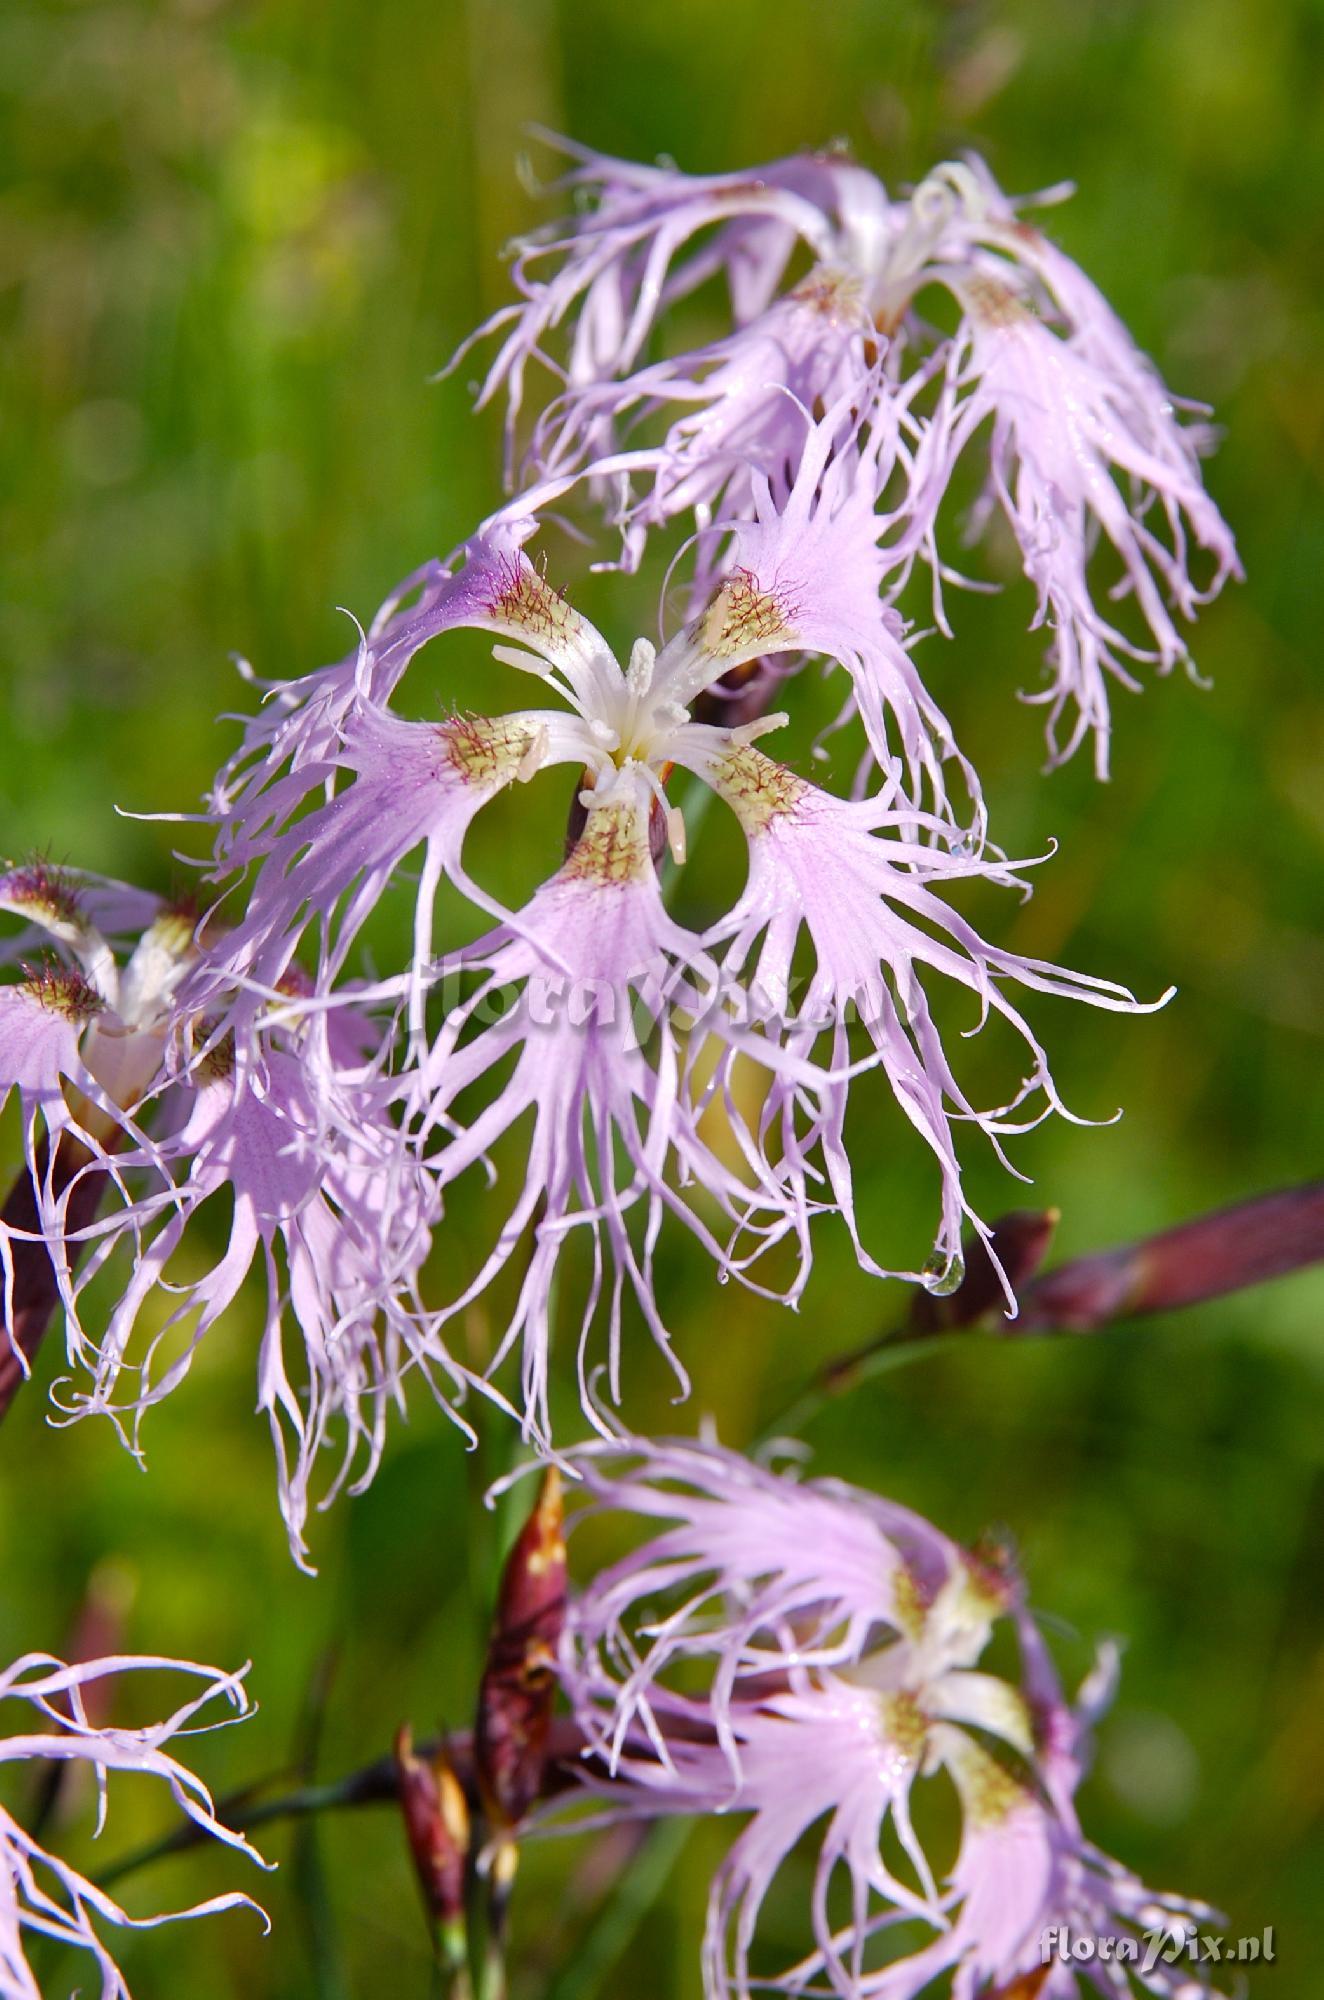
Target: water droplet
(942, 1275)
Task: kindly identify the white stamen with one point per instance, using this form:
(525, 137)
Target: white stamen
(676, 835)
(592, 795)
(532, 759)
(528, 663)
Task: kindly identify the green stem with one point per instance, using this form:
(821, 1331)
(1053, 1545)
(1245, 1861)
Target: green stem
(894, 1350)
(492, 1972)
(636, 1890)
(244, 1817)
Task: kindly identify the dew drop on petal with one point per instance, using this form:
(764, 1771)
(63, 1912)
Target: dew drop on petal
(942, 1274)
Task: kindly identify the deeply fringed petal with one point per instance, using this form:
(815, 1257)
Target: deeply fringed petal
(851, 876)
(290, 746)
(81, 1035)
(325, 1200)
(632, 252)
(589, 988)
(736, 414)
(807, 573)
(1066, 415)
(41, 1893)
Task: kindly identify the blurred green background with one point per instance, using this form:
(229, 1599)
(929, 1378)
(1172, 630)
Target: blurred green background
(235, 241)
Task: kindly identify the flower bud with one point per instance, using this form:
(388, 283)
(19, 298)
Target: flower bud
(519, 1684)
(436, 1817)
(1204, 1258)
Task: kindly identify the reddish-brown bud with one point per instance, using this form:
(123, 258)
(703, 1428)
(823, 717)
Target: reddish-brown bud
(436, 1819)
(518, 1687)
(1202, 1259)
(742, 695)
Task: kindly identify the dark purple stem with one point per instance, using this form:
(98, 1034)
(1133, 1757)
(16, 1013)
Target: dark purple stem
(1228, 1251)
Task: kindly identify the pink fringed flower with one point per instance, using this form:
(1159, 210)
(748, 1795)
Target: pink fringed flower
(1065, 415)
(602, 1001)
(324, 1201)
(68, 977)
(41, 1894)
(1074, 407)
(138, 1104)
(807, 1657)
(82, 1034)
(616, 266)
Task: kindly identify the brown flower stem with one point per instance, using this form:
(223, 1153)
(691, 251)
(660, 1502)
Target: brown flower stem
(374, 1784)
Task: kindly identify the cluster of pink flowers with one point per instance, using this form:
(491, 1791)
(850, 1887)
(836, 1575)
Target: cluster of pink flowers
(1037, 354)
(702, 1076)
(799, 1655)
